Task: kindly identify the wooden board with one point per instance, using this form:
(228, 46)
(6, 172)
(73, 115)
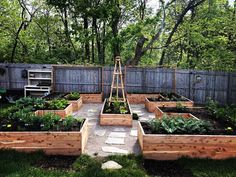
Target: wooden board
(159, 114)
(92, 97)
(52, 143)
(76, 104)
(135, 98)
(62, 113)
(171, 147)
(151, 105)
(116, 119)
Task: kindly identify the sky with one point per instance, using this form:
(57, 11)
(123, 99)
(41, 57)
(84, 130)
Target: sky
(154, 3)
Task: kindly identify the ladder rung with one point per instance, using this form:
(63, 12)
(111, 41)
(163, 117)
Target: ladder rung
(117, 73)
(119, 87)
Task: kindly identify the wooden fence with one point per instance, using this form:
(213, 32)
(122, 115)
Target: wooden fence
(196, 85)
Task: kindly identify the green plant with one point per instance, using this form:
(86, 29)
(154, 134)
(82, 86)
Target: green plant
(223, 113)
(180, 107)
(116, 105)
(29, 102)
(179, 125)
(71, 123)
(57, 104)
(49, 121)
(135, 116)
(123, 110)
(72, 96)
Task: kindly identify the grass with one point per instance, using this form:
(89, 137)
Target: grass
(15, 164)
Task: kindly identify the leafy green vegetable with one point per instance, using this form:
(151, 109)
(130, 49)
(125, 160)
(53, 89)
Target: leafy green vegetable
(179, 125)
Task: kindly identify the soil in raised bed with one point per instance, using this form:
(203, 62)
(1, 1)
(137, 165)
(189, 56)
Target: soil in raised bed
(110, 109)
(169, 97)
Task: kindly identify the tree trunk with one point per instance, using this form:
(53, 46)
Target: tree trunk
(114, 26)
(138, 52)
(87, 48)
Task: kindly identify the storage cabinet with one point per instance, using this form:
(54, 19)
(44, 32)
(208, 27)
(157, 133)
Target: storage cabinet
(39, 83)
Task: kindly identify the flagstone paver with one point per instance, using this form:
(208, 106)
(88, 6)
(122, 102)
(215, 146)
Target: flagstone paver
(98, 135)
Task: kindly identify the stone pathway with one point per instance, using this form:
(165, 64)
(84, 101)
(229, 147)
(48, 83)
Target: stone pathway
(107, 140)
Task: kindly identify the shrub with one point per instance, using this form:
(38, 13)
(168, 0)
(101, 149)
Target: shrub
(72, 96)
(226, 113)
(135, 116)
(179, 125)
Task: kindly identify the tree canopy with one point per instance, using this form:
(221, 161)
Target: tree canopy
(195, 34)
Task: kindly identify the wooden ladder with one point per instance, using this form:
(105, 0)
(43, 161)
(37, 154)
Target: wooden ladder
(117, 76)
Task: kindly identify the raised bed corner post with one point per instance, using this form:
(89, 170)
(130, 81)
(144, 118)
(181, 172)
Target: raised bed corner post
(117, 73)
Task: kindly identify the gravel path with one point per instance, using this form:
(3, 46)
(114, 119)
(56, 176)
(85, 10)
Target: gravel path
(107, 140)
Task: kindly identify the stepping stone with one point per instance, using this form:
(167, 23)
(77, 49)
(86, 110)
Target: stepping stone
(143, 119)
(134, 133)
(141, 114)
(111, 165)
(152, 116)
(117, 135)
(114, 150)
(111, 140)
(92, 110)
(100, 132)
(137, 111)
(90, 114)
(119, 129)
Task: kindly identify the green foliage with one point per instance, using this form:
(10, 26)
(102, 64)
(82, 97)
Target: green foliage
(29, 102)
(180, 107)
(72, 96)
(49, 121)
(135, 116)
(116, 107)
(179, 125)
(57, 104)
(70, 123)
(224, 113)
(132, 166)
(84, 162)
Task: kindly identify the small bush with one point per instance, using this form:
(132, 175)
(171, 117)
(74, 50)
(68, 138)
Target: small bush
(72, 96)
(135, 116)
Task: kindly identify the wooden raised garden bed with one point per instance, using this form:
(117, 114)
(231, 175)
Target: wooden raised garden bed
(139, 98)
(159, 114)
(116, 119)
(171, 147)
(62, 113)
(152, 103)
(76, 104)
(92, 97)
(52, 143)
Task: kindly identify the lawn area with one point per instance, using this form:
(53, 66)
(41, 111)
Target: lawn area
(14, 164)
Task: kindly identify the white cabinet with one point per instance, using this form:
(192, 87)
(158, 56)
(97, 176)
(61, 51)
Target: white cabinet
(39, 82)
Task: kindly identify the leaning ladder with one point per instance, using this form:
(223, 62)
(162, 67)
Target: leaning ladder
(117, 76)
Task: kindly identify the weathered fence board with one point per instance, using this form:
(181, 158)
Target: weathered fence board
(193, 84)
(82, 79)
